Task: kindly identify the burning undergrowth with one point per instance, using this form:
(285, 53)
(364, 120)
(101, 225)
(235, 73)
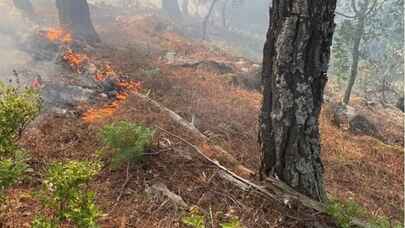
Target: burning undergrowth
(81, 78)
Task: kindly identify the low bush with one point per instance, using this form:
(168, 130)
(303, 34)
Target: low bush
(12, 171)
(17, 109)
(194, 219)
(65, 193)
(232, 223)
(128, 140)
(344, 212)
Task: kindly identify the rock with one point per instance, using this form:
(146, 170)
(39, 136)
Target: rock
(160, 188)
(342, 114)
(400, 104)
(210, 66)
(361, 125)
(215, 67)
(170, 57)
(347, 118)
(249, 81)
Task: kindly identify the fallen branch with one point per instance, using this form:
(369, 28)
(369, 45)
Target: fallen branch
(184, 123)
(251, 185)
(175, 117)
(127, 178)
(280, 191)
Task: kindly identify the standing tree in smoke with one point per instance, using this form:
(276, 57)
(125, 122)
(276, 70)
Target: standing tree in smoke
(74, 16)
(207, 18)
(25, 6)
(362, 11)
(295, 63)
(171, 7)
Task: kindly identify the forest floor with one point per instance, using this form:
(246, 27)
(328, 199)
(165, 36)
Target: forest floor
(358, 168)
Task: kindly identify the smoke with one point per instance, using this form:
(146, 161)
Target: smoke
(12, 28)
(18, 66)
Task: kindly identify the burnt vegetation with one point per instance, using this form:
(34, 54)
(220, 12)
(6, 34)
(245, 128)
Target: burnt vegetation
(201, 113)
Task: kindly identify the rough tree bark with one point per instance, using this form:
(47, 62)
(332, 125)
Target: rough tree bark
(74, 16)
(295, 63)
(171, 7)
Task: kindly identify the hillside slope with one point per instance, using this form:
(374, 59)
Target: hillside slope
(201, 84)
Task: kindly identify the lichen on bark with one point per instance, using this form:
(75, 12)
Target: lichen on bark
(296, 56)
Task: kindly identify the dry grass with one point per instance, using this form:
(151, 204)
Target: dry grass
(357, 167)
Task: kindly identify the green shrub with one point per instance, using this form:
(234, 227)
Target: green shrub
(383, 222)
(343, 212)
(128, 140)
(194, 220)
(17, 109)
(232, 223)
(12, 171)
(65, 193)
(42, 222)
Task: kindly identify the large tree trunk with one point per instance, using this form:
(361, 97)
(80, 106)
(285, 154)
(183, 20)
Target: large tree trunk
(74, 16)
(295, 64)
(171, 7)
(355, 56)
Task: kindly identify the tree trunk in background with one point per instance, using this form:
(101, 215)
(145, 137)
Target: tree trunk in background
(185, 7)
(26, 7)
(295, 64)
(207, 18)
(223, 14)
(355, 56)
(74, 16)
(171, 7)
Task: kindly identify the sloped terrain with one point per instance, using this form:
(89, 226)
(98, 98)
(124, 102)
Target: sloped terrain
(197, 82)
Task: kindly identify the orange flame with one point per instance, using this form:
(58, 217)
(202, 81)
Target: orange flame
(58, 34)
(75, 60)
(97, 114)
(108, 71)
(133, 86)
